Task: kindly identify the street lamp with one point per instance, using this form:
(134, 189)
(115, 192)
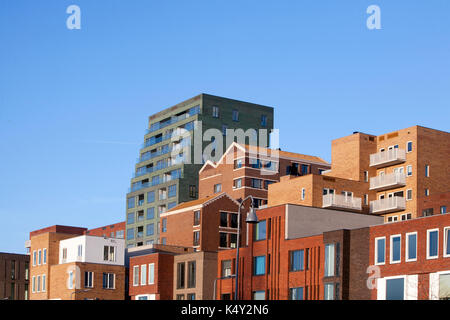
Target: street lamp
(251, 219)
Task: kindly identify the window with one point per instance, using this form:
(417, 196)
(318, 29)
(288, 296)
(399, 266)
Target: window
(163, 241)
(27, 270)
(217, 188)
(409, 171)
(329, 291)
(109, 253)
(33, 284)
(409, 194)
(190, 296)
(296, 293)
(380, 250)
(366, 176)
(395, 289)
(329, 260)
(427, 171)
(235, 115)
(143, 275)
(13, 269)
(303, 193)
(191, 274)
(223, 240)
(366, 199)
(39, 257)
(427, 212)
(172, 191)
(192, 191)
(151, 273)
(263, 120)
(180, 275)
(164, 225)
(34, 258)
(180, 296)
(411, 246)
(64, 254)
(130, 234)
(226, 268)
(444, 286)
(409, 146)
(224, 219)
(150, 229)
(44, 256)
(171, 205)
(238, 163)
(108, 280)
(88, 279)
(237, 183)
(224, 129)
(259, 295)
(304, 169)
(256, 183)
(296, 260)
(197, 218)
(80, 250)
(259, 265)
(233, 220)
(196, 238)
(446, 244)
(432, 243)
(396, 248)
(150, 213)
(260, 230)
(70, 284)
(150, 196)
(44, 283)
(131, 203)
(443, 209)
(130, 218)
(215, 112)
(427, 192)
(140, 216)
(406, 216)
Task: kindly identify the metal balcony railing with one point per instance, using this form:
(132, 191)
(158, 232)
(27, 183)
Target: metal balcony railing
(388, 181)
(388, 205)
(387, 158)
(339, 201)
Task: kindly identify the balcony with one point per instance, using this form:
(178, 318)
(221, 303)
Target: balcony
(174, 119)
(388, 181)
(341, 202)
(387, 205)
(387, 158)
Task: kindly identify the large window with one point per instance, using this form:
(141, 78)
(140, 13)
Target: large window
(130, 234)
(88, 279)
(432, 243)
(396, 248)
(131, 203)
(380, 250)
(151, 213)
(224, 219)
(223, 240)
(150, 229)
(130, 218)
(151, 273)
(226, 268)
(328, 291)
(109, 253)
(329, 260)
(260, 230)
(395, 289)
(196, 218)
(296, 293)
(172, 191)
(191, 274)
(411, 247)
(259, 265)
(143, 275)
(296, 260)
(180, 275)
(444, 287)
(196, 240)
(150, 196)
(108, 280)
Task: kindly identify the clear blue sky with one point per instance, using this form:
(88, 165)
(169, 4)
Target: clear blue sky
(74, 103)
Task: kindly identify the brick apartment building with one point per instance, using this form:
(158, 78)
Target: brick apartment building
(151, 271)
(244, 170)
(14, 276)
(66, 264)
(115, 230)
(299, 252)
(386, 175)
(206, 224)
(412, 258)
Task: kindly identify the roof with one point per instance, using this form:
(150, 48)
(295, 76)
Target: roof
(200, 202)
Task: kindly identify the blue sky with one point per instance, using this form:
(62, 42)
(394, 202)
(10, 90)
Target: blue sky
(74, 103)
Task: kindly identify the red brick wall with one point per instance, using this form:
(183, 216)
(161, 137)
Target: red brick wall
(106, 230)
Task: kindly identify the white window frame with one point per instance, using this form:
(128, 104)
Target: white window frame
(393, 278)
(39, 262)
(70, 281)
(376, 251)
(234, 183)
(446, 243)
(428, 244)
(44, 283)
(143, 275)
(135, 272)
(34, 258)
(407, 259)
(427, 192)
(407, 198)
(407, 142)
(151, 273)
(33, 284)
(44, 256)
(427, 171)
(391, 251)
(303, 195)
(92, 284)
(407, 170)
(366, 176)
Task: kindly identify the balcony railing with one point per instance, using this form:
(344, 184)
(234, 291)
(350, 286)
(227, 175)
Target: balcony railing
(388, 205)
(162, 124)
(387, 158)
(341, 202)
(388, 181)
(174, 174)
